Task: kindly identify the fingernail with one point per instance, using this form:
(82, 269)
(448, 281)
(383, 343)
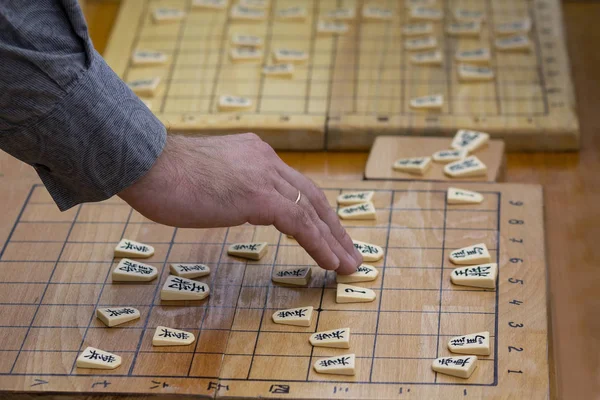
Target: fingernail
(335, 264)
(352, 263)
(347, 269)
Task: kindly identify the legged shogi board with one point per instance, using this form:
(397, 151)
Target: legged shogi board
(388, 149)
(55, 270)
(354, 86)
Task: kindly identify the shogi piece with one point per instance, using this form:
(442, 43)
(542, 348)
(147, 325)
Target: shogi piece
(474, 73)
(167, 15)
(431, 102)
(144, 87)
(296, 13)
(418, 29)
(113, 316)
(164, 336)
(241, 13)
(292, 276)
(332, 27)
(210, 4)
(463, 196)
(289, 56)
(97, 359)
(481, 276)
(148, 57)
(364, 273)
(178, 288)
(461, 367)
(243, 54)
(190, 271)
(133, 271)
(471, 255)
(257, 4)
(520, 43)
(370, 252)
(375, 13)
(426, 14)
(447, 156)
(342, 14)
(419, 3)
(424, 43)
(234, 103)
(362, 211)
(467, 168)
(475, 56)
(251, 251)
(301, 316)
(474, 343)
(131, 249)
(433, 57)
(338, 365)
(514, 27)
(414, 165)
(247, 40)
(462, 14)
(351, 198)
(279, 70)
(470, 140)
(464, 29)
(336, 338)
(353, 294)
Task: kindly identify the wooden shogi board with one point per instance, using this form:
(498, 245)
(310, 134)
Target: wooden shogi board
(55, 270)
(354, 86)
(388, 149)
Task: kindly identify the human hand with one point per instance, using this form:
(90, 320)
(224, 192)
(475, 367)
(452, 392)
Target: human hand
(216, 181)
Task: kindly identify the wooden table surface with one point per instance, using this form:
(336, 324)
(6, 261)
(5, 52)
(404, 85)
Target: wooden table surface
(572, 198)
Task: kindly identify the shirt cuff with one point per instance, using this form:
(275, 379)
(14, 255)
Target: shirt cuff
(98, 140)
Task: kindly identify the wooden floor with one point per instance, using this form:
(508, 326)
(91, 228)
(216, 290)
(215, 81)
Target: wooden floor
(572, 193)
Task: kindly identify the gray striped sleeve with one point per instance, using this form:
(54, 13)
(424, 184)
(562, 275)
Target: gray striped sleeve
(64, 111)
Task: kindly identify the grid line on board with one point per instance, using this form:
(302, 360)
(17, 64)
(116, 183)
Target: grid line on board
(206, 306)
(439, 320)
(151, 305)
(108, 274)
(320, 291)
(387, 243)
(264, 309)
(265, 62)
(175, 56)
(45, 288)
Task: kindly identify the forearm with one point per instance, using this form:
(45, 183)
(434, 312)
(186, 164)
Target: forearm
(63, 111)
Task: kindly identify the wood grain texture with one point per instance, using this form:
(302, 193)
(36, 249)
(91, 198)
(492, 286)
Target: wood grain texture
(100, 16)
(354, 86)
(571, 184)
(56, 266)
(388, 149)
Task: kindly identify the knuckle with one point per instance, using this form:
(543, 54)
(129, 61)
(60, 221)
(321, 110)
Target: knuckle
(321, 198)
(252, 136)
(301, 218)
(265, 148)
(344, 236)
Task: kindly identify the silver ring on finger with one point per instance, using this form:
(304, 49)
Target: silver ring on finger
(299, 197)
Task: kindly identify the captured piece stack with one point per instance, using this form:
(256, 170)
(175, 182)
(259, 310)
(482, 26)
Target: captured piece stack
(460, 161)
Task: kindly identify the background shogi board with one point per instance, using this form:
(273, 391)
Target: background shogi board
(355, 86)
(55, 270)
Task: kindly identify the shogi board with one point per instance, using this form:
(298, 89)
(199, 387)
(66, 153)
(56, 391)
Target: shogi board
(55, 270)
(388, 149)
(354, 86)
